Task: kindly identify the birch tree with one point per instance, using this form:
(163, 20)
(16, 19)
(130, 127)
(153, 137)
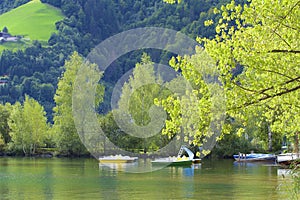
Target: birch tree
(28, 124)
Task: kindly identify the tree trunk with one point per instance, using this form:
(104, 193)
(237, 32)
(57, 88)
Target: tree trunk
(104, 144)
(270, 138)
(296, 142)
(24, 149)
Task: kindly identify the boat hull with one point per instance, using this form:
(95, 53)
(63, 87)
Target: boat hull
(172, 163)
(117, 159)
(196, 161)
(288, 158)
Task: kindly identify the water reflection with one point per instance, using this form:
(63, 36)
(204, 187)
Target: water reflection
(86, 179)
(186, 171)
(288, 183)
(48, 182)
(284, 172)
(190, 171)
(118, 166)
(144, 165)
(4, 190)
(184, 184)
(169, 182)
(254, 164)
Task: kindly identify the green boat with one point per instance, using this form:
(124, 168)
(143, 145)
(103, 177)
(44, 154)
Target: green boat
(179, 160)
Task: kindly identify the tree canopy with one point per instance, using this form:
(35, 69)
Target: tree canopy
(136, 113)
(67, 139)
(256, 51)
(29, 129)
(262, 38)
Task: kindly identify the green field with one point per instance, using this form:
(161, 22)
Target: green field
(33, 21)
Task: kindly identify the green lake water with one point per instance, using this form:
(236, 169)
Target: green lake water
(29, 178)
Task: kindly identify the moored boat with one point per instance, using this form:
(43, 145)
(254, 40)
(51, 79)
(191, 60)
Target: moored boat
(288, 158)
(117, 159)
(253, 157)
(180, 160)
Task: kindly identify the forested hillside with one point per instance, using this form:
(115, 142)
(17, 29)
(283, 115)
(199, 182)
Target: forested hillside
(6, 5)
(35, 70)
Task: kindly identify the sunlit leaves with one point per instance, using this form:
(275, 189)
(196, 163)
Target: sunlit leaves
(260, 38)
(256, 50)
(192, 112)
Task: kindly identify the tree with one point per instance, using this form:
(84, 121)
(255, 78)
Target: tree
(262, 37)
(4, 127)
(28, 125)
(261, 40)
(67, 137)
(136, 113)
(5, 30)
(197, 113)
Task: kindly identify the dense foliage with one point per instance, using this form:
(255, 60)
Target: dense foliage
(35, 70)
(137, 98)
(251, 41)
(261, 39)
(29, 129)
(6, 5)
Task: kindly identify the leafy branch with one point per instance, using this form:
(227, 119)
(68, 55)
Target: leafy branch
(267, 97)
(290, 11)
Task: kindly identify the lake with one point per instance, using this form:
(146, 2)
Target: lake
(57, 178)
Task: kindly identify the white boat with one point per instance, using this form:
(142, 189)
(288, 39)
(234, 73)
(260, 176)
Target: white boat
(288, 158)
(117, 159)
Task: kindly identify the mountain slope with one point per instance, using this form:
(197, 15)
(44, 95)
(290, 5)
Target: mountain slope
(34, 20)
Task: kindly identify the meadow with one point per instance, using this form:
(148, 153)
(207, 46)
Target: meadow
(32, 21)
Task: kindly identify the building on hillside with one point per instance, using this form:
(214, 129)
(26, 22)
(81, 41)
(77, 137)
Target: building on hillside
(6, 37)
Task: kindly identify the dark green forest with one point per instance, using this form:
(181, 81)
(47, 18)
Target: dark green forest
(7, 5)
(35, 70)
